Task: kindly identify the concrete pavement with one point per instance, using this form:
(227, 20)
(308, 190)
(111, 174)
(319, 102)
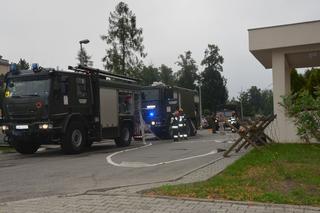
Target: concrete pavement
(128, 198)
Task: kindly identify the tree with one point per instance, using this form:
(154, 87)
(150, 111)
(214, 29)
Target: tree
(305, 111)
(297, 81)
(82, 55)
(214, 90)
(256, 101)
(124, 41)
(149, 74)
(266, 102)
(187, 75)
(166, 75)
(312, 79)
(23, 65)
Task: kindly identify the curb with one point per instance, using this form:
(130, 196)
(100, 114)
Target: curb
(246, 203)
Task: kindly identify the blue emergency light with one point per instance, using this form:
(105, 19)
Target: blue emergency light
(35, 67)
(151, 114)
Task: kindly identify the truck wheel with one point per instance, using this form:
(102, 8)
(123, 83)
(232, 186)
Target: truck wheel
(75, 138)
(26, 146)
(125, 136)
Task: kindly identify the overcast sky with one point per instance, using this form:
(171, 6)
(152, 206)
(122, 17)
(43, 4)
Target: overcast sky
(47, 32)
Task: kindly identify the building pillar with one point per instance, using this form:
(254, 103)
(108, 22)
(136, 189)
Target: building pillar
(283, 129)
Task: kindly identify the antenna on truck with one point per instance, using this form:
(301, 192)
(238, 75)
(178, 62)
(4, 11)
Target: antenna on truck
(102, 73)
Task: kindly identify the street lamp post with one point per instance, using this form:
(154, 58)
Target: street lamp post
(85, 41)
(200, 104)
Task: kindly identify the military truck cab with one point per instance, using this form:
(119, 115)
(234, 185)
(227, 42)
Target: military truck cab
(72, 109)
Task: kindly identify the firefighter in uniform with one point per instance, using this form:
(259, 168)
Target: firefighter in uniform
(175, 125)
(182, 125)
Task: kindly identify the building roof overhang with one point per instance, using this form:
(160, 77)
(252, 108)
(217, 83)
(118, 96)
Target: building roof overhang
(300, 42)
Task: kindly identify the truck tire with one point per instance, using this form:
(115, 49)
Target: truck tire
(74, 139)
(26, 147)
(125, 136)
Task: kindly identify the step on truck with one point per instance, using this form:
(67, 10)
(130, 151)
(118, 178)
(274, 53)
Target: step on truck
(72, 108)
(159, 103)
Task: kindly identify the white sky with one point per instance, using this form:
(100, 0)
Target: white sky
(47, 32)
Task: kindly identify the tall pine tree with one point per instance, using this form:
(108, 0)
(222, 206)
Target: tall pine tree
(214, 90)
(124, 40)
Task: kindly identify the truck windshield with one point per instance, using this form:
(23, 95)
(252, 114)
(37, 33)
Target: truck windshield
(21, 88)
(150, 94)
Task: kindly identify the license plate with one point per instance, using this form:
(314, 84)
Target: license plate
(22, 127)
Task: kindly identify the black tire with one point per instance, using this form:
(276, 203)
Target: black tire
(125, 136)
(26, 146)
(75, 138)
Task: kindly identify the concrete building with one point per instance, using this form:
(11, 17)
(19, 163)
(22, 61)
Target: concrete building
(4, 65)
(282, 48)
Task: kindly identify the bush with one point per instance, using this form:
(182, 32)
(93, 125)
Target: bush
(304, 108)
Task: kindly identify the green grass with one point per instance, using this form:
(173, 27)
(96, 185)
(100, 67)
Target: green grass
(281, 173)
(5, 149)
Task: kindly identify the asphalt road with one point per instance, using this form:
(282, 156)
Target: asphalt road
(104, 166)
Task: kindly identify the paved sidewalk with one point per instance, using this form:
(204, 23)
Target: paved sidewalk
(128, 199)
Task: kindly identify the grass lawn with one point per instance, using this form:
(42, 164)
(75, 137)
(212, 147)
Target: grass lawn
(281, 173)
(5, 149)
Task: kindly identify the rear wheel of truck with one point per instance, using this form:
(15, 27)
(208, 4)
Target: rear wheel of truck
(75, 138)
(125, 136)
(26, 146)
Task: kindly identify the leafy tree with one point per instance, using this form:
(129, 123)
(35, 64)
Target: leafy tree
(312, 79)
(166, 75)
(214, 90)
(83, 55)
(124, 41)
(266, 102)
(256, 101)
(187, 75)
(149, 74)
(297, 81)
(23, 65)
(303, 104)
(305, 111)
(307, 81)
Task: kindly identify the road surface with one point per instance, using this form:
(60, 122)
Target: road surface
(50, 172)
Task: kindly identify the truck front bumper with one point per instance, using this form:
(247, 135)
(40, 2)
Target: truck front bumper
(28, 129)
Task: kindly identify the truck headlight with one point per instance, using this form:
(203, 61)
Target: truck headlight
(5, 127)
(45, 126)
(153, 123)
